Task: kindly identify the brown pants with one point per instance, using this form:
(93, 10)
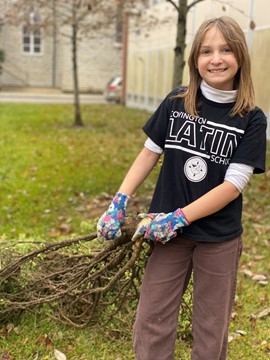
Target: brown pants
(167, 274)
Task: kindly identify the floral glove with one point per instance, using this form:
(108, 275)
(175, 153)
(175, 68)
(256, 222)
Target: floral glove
(109, 224)
(160, 227)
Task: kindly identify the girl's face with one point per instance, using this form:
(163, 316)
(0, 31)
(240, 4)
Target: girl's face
(217, 64)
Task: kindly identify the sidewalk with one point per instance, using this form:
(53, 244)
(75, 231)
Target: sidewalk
(45, 95)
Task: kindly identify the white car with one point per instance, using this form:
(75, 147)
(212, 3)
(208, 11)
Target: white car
(113, 89)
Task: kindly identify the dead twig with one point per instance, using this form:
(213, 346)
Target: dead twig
(76, 284)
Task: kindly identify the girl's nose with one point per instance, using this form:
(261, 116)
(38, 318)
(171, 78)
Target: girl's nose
(216, 58)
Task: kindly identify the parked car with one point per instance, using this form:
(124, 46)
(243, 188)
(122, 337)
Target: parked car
(113, 89)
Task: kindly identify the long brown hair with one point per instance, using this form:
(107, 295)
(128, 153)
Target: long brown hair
(235, 38)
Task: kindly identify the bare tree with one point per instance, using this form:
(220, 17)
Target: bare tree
(179, 51)
(2, 59)
(57, 16)
(72, 19)
(81, 16)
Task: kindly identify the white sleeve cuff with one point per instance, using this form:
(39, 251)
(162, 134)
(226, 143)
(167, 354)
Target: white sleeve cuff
(238, 175)
(149, 144)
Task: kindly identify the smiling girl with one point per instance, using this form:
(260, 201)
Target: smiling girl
(212, 137)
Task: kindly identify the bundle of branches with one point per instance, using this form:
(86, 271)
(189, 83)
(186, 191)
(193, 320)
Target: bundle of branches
(77, 285)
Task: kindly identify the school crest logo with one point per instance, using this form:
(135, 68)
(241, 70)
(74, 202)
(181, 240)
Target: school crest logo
(195, 169)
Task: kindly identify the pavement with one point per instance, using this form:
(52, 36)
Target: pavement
(45, 95)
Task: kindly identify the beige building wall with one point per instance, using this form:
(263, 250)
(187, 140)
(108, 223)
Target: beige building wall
(21, 69)
(99, 59)
(260, 60)
(152, 40)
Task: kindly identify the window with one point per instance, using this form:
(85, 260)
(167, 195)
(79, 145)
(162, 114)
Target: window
(31, 41)
(32, 34)
(154, 2)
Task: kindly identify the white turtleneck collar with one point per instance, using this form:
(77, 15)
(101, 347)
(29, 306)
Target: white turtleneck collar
(219, 96)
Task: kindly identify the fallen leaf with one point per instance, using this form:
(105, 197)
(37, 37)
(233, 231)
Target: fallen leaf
(263, 282)
(54, 233)
(45, 340)
(241, 332)
(48, 342)
(263, 313)
(10, 327)
(66, 228)
(6, 356)
(59, 355)
(16, 330)
(253, 321)
(3, 330)
(234, 315)
(259, 257)
(25, 341)
(247, 272)
(259, 277)
(230, 338)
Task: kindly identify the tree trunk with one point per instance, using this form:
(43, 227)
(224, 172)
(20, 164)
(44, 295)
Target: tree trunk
(179, 50)
(78, 119)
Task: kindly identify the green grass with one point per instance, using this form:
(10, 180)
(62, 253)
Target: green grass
(50, 171)
(52, 174)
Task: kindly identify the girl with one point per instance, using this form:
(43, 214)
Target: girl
(213, 138)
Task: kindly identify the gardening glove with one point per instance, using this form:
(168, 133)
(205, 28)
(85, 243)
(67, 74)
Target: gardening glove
(109, 224)
(160, 227)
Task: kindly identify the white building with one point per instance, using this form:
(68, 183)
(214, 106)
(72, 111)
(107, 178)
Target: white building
(42, 56)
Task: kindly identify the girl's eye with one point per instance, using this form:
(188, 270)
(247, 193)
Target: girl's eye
(205, 51)
(227, 50)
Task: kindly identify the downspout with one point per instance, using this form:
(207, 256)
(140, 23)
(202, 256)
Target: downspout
(124, 57)
(250, 30)
(54, 46)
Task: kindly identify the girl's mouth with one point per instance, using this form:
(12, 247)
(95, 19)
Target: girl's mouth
(217, 70)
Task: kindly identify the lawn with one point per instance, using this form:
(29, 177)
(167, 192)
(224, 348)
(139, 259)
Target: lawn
(55, 180)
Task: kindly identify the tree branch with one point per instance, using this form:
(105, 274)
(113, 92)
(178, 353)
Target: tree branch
(193, 4)
(174, 4)
(77, 284)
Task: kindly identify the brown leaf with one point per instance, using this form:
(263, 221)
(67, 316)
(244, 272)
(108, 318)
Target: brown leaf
(253, 321)
(44, 339)
(65, 228)
(48, 342)
(6, 356)
(54, 233)
(3, 331)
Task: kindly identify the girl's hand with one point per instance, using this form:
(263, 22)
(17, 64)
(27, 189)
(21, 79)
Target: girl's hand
(160, 227)
(109, 224)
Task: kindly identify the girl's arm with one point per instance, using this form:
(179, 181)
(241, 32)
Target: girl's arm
(142, 166)
(208, 204)
(211, 202)
(162, 227)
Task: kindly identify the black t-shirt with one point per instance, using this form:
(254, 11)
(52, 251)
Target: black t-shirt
(197, 153)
